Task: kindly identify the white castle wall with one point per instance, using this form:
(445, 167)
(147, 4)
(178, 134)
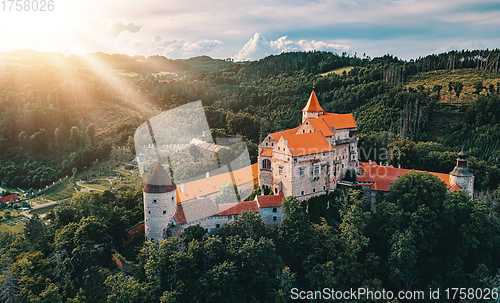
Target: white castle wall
(158, 211)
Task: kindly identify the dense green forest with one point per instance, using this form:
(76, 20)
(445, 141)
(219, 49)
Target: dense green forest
(76, 108)
(418, 239)
(60, 113)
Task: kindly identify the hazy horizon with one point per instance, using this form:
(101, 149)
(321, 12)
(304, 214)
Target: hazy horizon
(406, 29)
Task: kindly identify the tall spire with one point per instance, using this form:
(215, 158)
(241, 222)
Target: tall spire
(312, 109)
(313, 104)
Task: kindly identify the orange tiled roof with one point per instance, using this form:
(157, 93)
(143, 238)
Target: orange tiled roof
(308, 144)
(179, 216)
(237, 207)
(454, 188)
(381, 177)
(313, 104)
(269, 201)
(211, 185)
(338, 121)
(276, 136)
(266, 152)
(320, 125)
(9, 198)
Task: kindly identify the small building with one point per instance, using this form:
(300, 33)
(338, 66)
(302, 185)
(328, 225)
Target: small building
(207, 214)
(270, 208)
(207, 149)
(9, 199)
(376, 179)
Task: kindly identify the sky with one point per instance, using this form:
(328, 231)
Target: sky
(252, 29)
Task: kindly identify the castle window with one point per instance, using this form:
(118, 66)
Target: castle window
(149, 211)
(342, 165)
(266, 164)
(324, 187)
(164, 212)
(217, 225)
(155, 201)
(302, 193)
(280, 170)
(172, 198)
(314, 189)
(323, 168)
(275, 219)
(316, 169)
(302, 171)
(275, 210)
(294, 160)
(276, 191)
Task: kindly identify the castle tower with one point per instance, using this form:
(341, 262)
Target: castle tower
(160, 203)
(461, 175)
(312, 109)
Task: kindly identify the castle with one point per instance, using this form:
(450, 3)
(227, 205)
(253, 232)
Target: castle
(310, 159)
(305, 161)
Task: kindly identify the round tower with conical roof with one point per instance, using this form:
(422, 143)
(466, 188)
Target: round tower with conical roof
(160, 203)
(461, 175)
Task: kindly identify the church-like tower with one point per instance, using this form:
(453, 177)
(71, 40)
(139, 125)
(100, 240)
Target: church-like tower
(160, 203)
(312, 108)
(461, 175)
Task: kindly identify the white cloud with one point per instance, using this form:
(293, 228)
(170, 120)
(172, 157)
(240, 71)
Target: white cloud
(177, 48)
(113, 28)
(257, 47)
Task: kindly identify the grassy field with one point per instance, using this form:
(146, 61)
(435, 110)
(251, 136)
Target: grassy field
(94, 177)
(96, 184)
(42, 211)
(338, 71)
(467, 76)
(61, 191)
(15, 224)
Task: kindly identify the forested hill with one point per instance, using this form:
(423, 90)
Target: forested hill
(60, 112)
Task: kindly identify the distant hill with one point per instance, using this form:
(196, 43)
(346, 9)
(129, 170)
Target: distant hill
(115, 93)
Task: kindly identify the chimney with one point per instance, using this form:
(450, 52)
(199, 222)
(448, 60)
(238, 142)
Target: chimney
(207, 175)
(370, 167)
(399, 165)
(182, 188)
(286, 142)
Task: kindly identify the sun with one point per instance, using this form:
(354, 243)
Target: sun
(40, 30)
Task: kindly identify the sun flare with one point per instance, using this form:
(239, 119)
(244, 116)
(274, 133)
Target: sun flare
(39, 30)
